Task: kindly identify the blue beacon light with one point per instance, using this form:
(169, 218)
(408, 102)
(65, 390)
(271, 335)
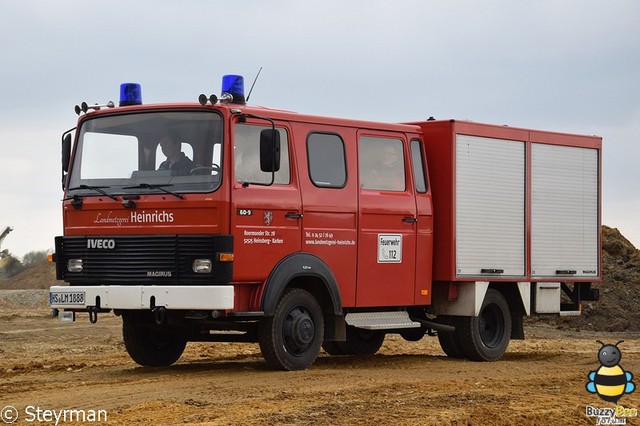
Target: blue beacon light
(130, 94)
(234, 85)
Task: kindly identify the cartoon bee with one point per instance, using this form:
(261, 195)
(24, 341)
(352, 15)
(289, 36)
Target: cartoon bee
(610, 381)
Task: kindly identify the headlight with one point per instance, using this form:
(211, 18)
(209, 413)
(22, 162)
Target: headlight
(74, 265)
(202, 266)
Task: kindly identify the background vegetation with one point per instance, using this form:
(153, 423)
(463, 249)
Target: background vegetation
(11, 266)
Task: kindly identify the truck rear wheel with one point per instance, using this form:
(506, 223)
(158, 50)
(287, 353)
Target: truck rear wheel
(486, 337)
(291, 339)
(150, 347)
(333, 348)
(413, 334)
(361, 342)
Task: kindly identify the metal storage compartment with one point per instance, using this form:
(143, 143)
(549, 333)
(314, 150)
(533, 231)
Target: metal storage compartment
(513, 204)
(564, 211)
(547, 298)
(490, 201)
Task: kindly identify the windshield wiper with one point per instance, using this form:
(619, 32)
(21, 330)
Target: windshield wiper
(97, 189)
(153, 186)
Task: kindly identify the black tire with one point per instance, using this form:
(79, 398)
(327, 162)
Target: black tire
(361, 342)
(333, 348)
(486, 337)
(449, 341)
(151, 347)
(291, 339)
(413, 334)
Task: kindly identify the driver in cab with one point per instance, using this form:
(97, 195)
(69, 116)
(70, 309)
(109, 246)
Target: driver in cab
(176, 160)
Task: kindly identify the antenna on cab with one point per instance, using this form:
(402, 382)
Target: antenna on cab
(254, 83)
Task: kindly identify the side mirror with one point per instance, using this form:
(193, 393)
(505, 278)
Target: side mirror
(66, 156)
(270, 150)
(66, 152)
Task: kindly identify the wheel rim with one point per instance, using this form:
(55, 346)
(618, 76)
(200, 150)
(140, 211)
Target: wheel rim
(491, 325)
(298, 330)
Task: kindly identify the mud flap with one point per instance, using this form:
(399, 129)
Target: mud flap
(517, 326)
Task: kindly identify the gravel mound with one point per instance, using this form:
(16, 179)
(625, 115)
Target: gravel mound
(31, 299)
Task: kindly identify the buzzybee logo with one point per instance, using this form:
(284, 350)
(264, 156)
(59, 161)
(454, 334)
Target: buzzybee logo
(610, 381)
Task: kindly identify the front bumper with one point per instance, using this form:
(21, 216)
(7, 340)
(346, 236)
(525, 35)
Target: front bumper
(141, 297)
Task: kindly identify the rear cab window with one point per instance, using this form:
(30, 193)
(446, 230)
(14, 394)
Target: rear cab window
(381, 163)
(327, 161)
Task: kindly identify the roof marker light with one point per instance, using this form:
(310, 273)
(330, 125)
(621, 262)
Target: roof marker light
(233, 85)
(130, 94)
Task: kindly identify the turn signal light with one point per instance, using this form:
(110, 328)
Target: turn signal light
(225, 257)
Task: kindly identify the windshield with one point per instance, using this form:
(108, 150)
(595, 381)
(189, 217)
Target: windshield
(139, 152)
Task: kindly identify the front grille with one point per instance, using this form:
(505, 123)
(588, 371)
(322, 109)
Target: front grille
(143, 259)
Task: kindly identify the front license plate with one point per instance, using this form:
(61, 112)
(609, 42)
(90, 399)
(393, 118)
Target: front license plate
(67, 298)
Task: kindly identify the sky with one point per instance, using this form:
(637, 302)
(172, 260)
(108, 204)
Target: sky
(570, 66)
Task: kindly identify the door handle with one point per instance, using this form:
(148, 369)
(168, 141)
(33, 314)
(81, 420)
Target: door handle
(293, 215)
(491, 271)
(565, 272)
(409, 219)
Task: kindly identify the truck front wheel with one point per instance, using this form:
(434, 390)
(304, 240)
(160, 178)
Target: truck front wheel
(151, 347)
(291, 339)
(486, 337)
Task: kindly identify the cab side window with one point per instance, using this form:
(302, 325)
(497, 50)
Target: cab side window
(417, 162)
(247, 155)
(381, 164)
(327, 164)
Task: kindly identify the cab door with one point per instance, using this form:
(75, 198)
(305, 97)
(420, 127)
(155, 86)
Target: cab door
(387, 225)
(329, 198)
(265, 218)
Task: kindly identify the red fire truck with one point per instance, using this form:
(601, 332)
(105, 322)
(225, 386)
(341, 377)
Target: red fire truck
(219, 221)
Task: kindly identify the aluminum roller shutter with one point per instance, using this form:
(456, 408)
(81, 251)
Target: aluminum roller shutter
(564, 211)
(490, 203)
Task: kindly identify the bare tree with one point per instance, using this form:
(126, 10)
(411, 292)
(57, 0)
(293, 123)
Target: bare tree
(11, 266)
(34, 258)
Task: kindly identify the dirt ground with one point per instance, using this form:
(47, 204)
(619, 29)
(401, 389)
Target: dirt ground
(540, 381)
(55, 366)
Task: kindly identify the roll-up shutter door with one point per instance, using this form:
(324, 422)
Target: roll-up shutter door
(564, 211)
(490, 203)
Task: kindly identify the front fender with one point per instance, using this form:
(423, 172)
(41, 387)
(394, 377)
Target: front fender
(300, 265)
